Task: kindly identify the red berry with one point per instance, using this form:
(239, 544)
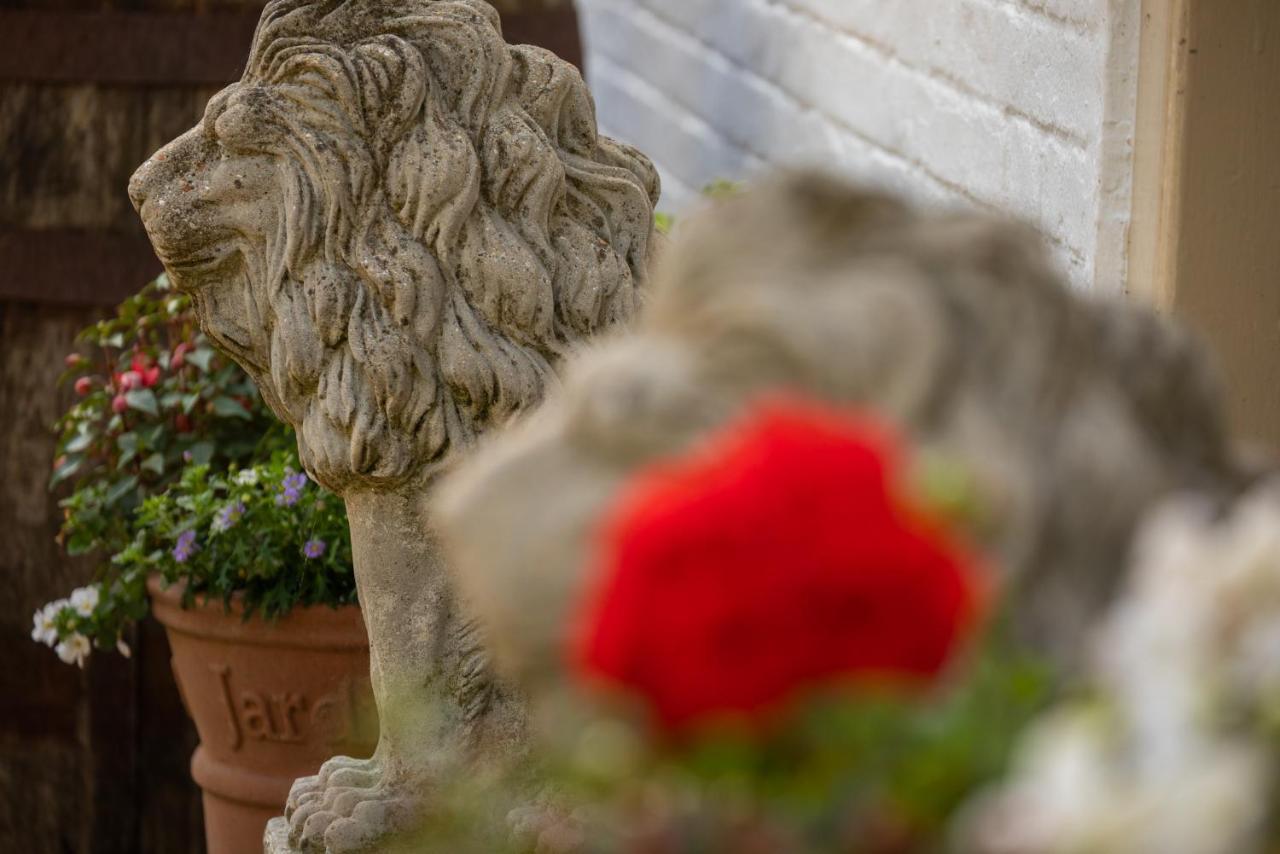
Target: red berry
(179, 357)
(84, 385)
(130, 380)
(119, 404)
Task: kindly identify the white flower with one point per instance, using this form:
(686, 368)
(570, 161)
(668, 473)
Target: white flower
(44, 629)
(85, 600)
(75, 649)
(248, 477)
(1188, 666)
(123, 648)
(1215, 806)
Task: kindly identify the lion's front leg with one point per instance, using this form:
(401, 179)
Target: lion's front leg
(407, 602)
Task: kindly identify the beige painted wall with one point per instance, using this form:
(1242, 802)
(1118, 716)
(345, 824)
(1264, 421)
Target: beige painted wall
(1206, 237)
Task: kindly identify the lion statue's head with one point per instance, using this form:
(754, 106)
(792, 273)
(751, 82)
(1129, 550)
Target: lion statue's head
(398, 223)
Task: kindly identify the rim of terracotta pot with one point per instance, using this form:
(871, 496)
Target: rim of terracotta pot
(311, 627)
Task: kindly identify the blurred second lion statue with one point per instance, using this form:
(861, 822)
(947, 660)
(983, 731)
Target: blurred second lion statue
(1073, 415)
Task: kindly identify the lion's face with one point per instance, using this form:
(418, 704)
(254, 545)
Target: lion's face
(397, 224)
(208, 205)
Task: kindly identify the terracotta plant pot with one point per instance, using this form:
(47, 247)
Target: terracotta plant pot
(271, 701)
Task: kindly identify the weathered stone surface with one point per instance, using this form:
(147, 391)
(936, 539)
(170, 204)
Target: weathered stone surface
(276, 839)
(1072, 416)
(399, 224)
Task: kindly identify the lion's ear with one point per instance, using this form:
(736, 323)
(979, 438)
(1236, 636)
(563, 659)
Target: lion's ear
(393, 86)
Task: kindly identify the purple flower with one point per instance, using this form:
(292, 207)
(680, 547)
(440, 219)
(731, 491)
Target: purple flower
(187, 456)
(228, 517)
(291, 489)
(185, 547)
(314, 549)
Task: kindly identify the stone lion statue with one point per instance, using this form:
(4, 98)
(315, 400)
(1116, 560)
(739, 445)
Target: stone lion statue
(399, 225)
(1071, 415)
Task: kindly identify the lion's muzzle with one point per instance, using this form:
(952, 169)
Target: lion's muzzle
(171, 193)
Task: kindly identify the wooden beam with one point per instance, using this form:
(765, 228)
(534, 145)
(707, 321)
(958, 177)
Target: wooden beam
(121, 48)
(147, 49)
(1157, 153)
(74, 267)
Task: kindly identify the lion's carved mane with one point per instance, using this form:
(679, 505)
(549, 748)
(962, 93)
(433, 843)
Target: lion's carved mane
(451, 223)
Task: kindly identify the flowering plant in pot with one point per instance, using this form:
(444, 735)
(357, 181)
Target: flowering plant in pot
(192, 495)
(151, 397)
(249, 570)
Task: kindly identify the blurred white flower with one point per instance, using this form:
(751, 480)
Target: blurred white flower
(248, 477)
(1061, 788)
(85, 600)
(44, 630)
(1187, 674)
(123, 648)
(75, 649)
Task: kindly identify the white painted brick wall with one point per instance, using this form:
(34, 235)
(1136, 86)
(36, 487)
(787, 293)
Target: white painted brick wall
(1016, 106)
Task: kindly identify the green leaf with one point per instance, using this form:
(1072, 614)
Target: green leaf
(121, 489)
(189, 402)
(200, 357)
(116, 340)
(152, 436)
(66, 470)
(80, 543)
(154, 463)
(144, 400)
(80, 442)
(171, 400)
(202, 452)
(128, 445)
(229, 408)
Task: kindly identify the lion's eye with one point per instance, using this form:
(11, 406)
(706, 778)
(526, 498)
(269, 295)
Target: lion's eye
(215, 108)
(236, 128)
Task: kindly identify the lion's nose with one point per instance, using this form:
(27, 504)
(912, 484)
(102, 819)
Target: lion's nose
(138, 186)
(175, 159)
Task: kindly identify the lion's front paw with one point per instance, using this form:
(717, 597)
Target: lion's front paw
(340, 771)
(347, 808)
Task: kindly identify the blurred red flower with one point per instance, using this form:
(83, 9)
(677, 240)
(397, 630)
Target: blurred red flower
(179, 357)
(150, 374)
(139, 375)
(778, 556)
